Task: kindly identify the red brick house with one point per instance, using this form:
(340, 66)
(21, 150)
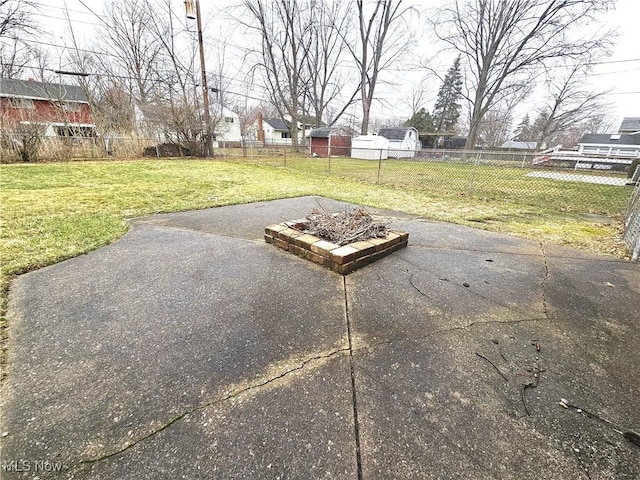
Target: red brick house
(61, 110)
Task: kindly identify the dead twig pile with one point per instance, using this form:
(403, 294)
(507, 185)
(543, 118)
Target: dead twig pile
(348, 226)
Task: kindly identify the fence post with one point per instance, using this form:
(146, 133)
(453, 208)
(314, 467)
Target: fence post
(379, 165)
(473, 174)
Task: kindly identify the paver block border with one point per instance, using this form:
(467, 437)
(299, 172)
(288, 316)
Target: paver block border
(341, 259)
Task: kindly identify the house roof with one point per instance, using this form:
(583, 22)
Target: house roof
(630, 124)
(395, 133)
(308, 120)
(515, 145)
(609, 139)
(14, 88)
(277, 124)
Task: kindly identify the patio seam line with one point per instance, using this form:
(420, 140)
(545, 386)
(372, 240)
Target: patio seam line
(474, 250)
(204, 232)
(212, 403)
(523, 254)
(356, 424)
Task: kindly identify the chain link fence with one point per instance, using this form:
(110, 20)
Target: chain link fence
(568, 184)
(474, 174)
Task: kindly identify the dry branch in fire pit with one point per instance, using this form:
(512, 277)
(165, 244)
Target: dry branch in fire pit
(348, 226)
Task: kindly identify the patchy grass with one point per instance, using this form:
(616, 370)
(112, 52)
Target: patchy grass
(51, 212)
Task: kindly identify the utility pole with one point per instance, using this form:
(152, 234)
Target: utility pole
(208, 146)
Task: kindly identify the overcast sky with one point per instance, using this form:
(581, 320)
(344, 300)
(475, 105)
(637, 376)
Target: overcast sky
(619, 73)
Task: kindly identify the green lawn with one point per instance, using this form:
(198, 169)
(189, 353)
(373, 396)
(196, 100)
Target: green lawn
(51, 212)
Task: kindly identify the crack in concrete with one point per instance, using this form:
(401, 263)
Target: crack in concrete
(464, 286)
(373, 346)
(217, 401)
(543, 284)
(356, 423)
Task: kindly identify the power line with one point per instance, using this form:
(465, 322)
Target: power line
(623, 93)
(44, 15)
(617, 61)
(58, 7)
(616, 72)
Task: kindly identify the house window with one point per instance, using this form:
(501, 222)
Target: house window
(286, 135)
(74, 131)
(228, 119)
(71, 106)
(25, 103)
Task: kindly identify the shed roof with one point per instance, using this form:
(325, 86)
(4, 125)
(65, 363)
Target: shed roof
(398, 133)
(15, 88)
(609, 139)
(325, 132)
(630, 124)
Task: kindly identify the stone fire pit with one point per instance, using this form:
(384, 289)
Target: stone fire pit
(343, 259)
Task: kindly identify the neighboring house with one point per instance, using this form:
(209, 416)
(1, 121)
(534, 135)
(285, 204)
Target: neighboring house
(370, 147)
(274, 131)
(403, 141)
(329, 141)
(594, 151)
(630, 126)
(228, 128)
(515, 145)
(306, 124)
(61, 110)
(610, 145)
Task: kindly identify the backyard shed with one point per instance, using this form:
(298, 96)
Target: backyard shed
(369, 147)
(329, 141)
(403, 141)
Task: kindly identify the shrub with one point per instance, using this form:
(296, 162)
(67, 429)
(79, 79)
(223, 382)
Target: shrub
(167, 150)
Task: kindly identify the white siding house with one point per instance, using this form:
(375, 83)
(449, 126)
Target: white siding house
(228, 127)
(403, 142)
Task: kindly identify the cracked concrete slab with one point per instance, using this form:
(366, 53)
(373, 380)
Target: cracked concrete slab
(190, 348)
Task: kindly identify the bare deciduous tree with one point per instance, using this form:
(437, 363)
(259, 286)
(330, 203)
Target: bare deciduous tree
(503, 42)
(570, 103)
(284, 28)
(129, 45)
(383, 38)
(495, 127)
(324, 78)
(15, 20)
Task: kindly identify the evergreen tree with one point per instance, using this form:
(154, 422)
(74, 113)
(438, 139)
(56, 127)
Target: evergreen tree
(524, 132)
(541, 127)
(447, 108)
(421, 120)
